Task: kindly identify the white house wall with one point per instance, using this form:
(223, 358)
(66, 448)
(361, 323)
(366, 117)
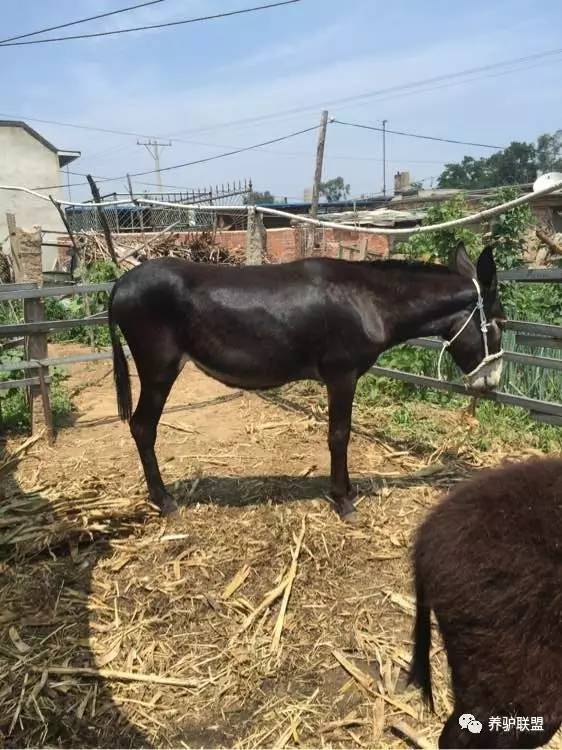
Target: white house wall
(26, 161)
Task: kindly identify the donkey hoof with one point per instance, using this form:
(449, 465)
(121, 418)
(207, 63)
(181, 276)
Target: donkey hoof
(168, 506)
(351, 516)
(347, 513)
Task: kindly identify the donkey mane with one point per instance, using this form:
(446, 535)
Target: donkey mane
(412, 265)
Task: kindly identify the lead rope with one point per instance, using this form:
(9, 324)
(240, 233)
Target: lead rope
(483, 328)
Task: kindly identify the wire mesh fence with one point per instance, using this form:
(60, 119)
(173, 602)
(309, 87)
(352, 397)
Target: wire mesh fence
(132, 217)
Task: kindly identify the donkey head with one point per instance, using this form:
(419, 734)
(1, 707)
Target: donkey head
(475, 343)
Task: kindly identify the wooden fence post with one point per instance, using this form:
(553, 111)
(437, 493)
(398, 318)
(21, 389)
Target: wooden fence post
(103, 219)
(26, 247)
(256, 238)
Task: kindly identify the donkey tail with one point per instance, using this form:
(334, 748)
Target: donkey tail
(420, 669)
(120, 369)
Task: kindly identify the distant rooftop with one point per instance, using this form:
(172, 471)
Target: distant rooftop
(65, 156)
(379, 217)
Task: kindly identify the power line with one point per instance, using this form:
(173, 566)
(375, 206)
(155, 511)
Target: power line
(153, 26)
(81, 20)
(184, 140)
(416, 135)
(464, 82)
(59, 186)
(405, 87)
(218, 156)
(181, 188)
(238, 151)
(205, 159)
(296, 154)
(298, 110)
(91, 128)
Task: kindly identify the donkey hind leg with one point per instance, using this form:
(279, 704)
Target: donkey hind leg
(144, 422)
(341, 390)
(454, 736)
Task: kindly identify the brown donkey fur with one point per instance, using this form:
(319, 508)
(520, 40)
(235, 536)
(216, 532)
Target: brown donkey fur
(488, 562)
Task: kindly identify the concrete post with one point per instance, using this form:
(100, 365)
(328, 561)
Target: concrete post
(256, 238)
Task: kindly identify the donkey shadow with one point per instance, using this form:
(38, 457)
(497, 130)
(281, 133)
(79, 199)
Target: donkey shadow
(241, 491)
(44, 615)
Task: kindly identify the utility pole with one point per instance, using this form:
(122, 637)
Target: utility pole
(156, 145)
(319, 161)
(384, 157)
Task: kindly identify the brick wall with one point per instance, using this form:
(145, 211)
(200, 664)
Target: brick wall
(295, 242)
(291, 243)
(283, 245)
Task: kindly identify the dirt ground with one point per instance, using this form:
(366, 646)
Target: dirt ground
(254, 618)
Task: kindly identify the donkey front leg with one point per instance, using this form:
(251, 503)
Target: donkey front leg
(143, 425)
(341, 390)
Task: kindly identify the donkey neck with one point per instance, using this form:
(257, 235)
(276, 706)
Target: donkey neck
(421, 299)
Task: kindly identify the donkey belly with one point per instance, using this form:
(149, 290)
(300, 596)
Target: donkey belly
(249, 382)
(252, 368)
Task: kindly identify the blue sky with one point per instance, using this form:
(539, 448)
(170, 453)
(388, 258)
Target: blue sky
(194, 81)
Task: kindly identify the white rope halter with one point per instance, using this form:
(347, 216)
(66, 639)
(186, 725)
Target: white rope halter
(484, 325)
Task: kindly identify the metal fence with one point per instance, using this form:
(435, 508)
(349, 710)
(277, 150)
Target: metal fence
(143, 218)
(528, 333)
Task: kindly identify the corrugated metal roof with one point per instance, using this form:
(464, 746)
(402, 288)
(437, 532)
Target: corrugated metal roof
(379, 217)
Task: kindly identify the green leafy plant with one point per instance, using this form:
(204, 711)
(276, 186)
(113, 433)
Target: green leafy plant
(507, 233)
(77, 306)
(436, 247)
(13, 401)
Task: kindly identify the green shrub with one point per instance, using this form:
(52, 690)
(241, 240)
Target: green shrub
(436, 247)
(13, 402)
(78, 307)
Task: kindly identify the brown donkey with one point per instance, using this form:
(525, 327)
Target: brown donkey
(488, 562)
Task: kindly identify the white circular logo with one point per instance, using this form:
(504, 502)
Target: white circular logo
(475, 727)
(465, 720)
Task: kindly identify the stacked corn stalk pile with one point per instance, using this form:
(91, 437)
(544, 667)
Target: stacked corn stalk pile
(200, 247)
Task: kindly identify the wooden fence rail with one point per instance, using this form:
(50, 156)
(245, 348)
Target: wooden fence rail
(32, 291)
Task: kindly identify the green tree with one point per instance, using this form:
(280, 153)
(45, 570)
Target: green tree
(518, 163)
(335, 189)
(549, 152)
(513, 165)
(470, 173)
(257, 197)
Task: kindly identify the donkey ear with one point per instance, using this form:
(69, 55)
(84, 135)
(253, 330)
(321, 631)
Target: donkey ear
(461, 263)
(486, 268)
